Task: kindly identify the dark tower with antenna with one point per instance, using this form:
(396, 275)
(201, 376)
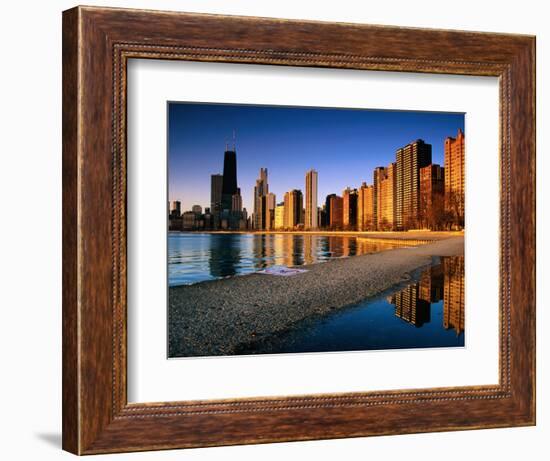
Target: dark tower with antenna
(229, 185)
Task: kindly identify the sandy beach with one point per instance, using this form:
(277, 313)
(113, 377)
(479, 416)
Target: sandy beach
(215, 317)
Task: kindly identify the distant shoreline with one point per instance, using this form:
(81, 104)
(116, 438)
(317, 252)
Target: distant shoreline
(214, 318)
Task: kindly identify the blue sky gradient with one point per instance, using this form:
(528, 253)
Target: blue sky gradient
(343, 145)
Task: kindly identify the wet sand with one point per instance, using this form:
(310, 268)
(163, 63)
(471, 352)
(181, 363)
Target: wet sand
(215, 317)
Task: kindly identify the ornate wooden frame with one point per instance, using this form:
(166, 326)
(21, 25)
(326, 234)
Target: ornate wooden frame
(97, 43)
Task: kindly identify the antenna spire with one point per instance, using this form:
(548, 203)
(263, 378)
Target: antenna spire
(234, 143)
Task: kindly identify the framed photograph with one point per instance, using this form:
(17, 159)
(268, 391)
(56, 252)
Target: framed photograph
(280, 230)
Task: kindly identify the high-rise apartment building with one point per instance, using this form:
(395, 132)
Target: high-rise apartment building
(197, 209)
(386, 198)
(410, 159)
(365, 208)
(454, 177)
(378, 174)
(336, 214)
(270, 204)
(280, 216)
(432, 194)
(326, 221)
(349, 209)
(293, 208)
(260, 191)
(311, 217)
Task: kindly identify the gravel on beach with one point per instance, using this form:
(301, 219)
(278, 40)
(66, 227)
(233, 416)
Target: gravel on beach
(215, 317)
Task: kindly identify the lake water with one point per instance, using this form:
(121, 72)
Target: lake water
(426, 313)
(197, 257)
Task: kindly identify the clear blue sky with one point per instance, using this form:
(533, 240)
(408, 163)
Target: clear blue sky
(343, 145)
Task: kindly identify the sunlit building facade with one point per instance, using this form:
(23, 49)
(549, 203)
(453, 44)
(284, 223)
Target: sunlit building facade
(386, 199)
(365, 208)
(349, 209)
(336, 215)
(293, 209)
(270, 204)
(410, 159)
(454, 177)
(311, 214)
(280, 216)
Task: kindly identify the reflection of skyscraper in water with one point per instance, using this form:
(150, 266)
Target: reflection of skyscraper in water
(410, 307)
(453, 293)
(279, 249)
(289, 251)
(348, 247)
(431, 284)
(309, 247)
(335, 247)
(225, 255)
(445, 282)
(263, 249)
(297, 250)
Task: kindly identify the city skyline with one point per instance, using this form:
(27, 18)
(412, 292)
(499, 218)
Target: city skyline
(347, 144)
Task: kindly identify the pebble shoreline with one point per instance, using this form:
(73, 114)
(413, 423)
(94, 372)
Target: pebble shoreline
(213, 318)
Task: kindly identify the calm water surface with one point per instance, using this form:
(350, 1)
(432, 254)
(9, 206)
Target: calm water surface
(426, 313)
(197, 257)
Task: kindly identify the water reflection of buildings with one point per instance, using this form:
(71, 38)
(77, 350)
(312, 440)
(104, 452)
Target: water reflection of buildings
(453, 293)
(410, 307)
(225, 255)
(442, 282)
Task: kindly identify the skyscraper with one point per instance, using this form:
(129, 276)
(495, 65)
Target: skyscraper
(229, 185)
(216, 183)
(336, 214)
(365, 208)
(311, 218)
(293, 207)
(432, 193)
(175, 208)
(260, 191)
(237, 202)
(349, 208)
(280, 216)
(454, 177)
(270, 204)
(327, 209)
(386, 199)
(410, 159)
(378, 174)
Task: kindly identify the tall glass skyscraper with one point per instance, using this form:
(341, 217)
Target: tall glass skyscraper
(229, 186)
